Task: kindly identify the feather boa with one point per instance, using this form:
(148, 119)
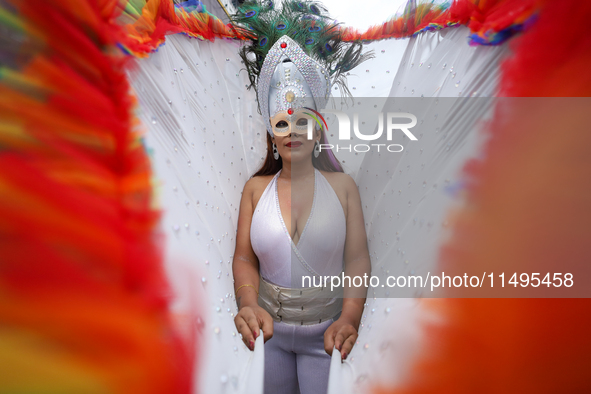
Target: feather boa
(83, 296)
(527, 210)
(492, 22)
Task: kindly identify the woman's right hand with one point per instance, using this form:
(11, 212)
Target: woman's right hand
(248, 322)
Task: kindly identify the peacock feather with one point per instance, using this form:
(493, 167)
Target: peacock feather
(306, 22)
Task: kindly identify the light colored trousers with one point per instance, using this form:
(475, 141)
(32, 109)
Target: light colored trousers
(295, 360)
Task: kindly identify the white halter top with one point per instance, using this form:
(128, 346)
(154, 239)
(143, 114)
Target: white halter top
(320, 249)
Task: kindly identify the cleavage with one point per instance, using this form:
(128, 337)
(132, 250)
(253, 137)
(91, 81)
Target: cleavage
(295, 202)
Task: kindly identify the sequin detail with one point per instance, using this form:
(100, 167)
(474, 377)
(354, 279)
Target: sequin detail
(315, 75)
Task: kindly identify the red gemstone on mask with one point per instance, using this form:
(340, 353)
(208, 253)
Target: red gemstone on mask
(290, 111)
(283, 45)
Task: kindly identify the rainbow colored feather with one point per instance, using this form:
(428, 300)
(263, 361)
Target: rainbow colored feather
(147, 22)
(491, 22)
(83, 296)
(526, 211)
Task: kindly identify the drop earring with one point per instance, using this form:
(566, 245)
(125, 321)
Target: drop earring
(317, 148)
(275, 152)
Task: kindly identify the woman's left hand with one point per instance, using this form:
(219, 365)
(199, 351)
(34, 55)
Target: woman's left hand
(341, 334)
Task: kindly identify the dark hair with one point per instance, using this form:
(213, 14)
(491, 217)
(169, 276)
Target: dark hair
(325, 161)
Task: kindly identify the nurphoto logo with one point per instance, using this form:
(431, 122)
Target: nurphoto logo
(393, 122)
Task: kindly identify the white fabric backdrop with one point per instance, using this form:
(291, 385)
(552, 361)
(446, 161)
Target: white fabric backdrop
(406, 224)
(205, 138)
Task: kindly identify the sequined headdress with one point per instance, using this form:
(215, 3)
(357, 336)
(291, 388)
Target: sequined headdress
(295, 56)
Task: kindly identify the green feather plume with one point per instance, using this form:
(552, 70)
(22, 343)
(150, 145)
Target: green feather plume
(307, 23)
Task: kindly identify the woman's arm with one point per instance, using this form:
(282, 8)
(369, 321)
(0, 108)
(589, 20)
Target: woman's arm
(342, 334)
(245, 267)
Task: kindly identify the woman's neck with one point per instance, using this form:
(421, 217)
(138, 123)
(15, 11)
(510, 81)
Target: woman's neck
(298, 171)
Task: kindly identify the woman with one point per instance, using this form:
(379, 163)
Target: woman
(300, 216)
(295, 180)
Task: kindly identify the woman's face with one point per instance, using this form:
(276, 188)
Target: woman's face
(295, 146)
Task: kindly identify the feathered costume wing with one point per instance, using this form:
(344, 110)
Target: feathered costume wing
(87, 199)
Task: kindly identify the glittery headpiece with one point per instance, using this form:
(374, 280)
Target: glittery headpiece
(296, 54)
(287, 85)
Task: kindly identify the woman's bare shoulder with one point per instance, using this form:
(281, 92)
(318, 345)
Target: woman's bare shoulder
(257, 182)
(255, 187)
(343, 185)
(340, 181)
